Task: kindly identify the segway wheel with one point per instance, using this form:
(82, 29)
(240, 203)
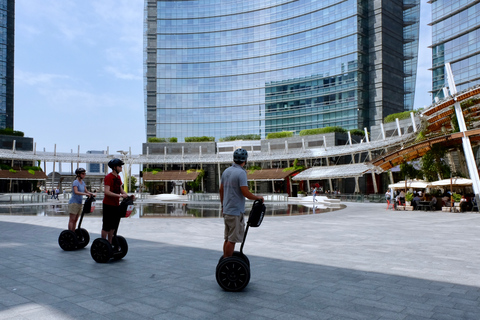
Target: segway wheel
(83, 237)
(238, 254)
(68, 240)
(232, 274)
(120, 248)
(101, 250)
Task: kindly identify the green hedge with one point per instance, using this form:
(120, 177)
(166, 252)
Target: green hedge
(283, 134)
(200, 139)
(400, 116)
(11, 132)
(155, 139)
(241, 137)
(308, 132)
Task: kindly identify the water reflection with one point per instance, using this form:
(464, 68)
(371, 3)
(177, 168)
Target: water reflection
(159, 210)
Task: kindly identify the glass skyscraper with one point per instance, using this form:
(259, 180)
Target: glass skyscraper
(221, 67)
(455, 39)
(7, 49)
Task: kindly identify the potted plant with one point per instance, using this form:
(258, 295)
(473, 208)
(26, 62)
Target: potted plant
(301, 194)
(457, 197)
(408, 198)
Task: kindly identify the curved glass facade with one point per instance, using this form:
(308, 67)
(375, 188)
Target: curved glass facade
(455, 34)
(221, 68)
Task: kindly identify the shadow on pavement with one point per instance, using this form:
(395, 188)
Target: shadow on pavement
(162, 281)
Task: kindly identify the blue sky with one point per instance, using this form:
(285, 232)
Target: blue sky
(78, 73)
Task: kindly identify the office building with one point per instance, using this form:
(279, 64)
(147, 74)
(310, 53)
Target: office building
(96, 167)
(221, 67)
(455, 34)
(7, 50)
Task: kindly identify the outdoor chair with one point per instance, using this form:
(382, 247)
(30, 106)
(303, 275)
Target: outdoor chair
(390, 204)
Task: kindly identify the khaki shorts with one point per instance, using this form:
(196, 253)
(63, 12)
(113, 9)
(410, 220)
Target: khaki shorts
(234, 227)
(75, 208)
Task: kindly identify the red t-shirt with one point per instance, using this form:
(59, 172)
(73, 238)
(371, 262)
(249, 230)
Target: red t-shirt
(115, 184)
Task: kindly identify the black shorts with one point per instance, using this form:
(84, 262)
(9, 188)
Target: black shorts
(111, 217)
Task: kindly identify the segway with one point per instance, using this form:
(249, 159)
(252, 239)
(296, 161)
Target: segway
(69, 240)
(233, 273)
(101, 250)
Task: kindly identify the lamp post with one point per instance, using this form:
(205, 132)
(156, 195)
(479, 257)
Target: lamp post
(126, 176)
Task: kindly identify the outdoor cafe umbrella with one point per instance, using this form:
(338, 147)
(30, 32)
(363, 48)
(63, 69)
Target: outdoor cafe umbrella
(458, 182)
(415, 184)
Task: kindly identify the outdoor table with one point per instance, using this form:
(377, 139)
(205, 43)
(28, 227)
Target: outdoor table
(423, 205)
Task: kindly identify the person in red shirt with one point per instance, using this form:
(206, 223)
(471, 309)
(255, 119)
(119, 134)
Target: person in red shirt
(111, 202)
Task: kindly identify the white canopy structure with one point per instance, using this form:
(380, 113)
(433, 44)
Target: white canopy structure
(334, 172)
(415, 184)
(458, 182)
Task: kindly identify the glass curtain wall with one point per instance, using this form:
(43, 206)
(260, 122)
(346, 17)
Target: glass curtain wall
(455, 34)
(252, 67)
(411, 18)
(7, 25)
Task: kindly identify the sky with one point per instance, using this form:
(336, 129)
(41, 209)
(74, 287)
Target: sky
(79, 73)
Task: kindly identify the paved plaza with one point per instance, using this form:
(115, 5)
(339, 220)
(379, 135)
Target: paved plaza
(362, 262)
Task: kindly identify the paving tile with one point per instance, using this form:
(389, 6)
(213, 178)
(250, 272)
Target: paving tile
(357, 263)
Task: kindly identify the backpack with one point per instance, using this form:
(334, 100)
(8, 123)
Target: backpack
(126, 207)
(89, 205)
(256, 214)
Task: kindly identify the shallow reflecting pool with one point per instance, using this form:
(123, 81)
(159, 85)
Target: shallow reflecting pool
(159, 210)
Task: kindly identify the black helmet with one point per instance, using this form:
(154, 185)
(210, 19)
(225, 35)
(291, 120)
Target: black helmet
(80, 170)
(115, 163)
(240, 155)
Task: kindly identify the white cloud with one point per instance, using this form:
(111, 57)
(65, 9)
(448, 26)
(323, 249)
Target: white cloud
(121, 75)
(35, 79)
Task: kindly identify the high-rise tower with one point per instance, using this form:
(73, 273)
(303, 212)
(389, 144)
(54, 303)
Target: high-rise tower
(7, 50)
(224, 67)
(455, 34)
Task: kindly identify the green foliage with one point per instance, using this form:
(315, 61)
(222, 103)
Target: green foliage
(421, 135)
(4, 166)
(155, 139)
(357, 132)
(32, 172)
(456, 197)
(295, 167)
(12, 170)
(400, 116)
(11, 132)
(308, 132)
(152, 169)
(133, 182)
(31, 168)
(436, 192)
(277, 135)
(409, 171)
(200, 139)
(409, 196)
(197, 182)
(454, 121)
(241, 137)
(301, 192)
(469, 103)
(433, 164)
(252, 169)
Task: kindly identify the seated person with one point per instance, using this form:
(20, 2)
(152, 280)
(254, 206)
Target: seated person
(433, 202)
(415, 201)
(464, 204)
(446, 200)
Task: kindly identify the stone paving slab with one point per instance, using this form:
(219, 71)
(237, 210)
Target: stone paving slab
(362, 262)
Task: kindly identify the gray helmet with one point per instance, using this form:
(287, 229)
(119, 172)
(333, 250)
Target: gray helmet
(115, 163)
(240, 155)
(80, 170)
